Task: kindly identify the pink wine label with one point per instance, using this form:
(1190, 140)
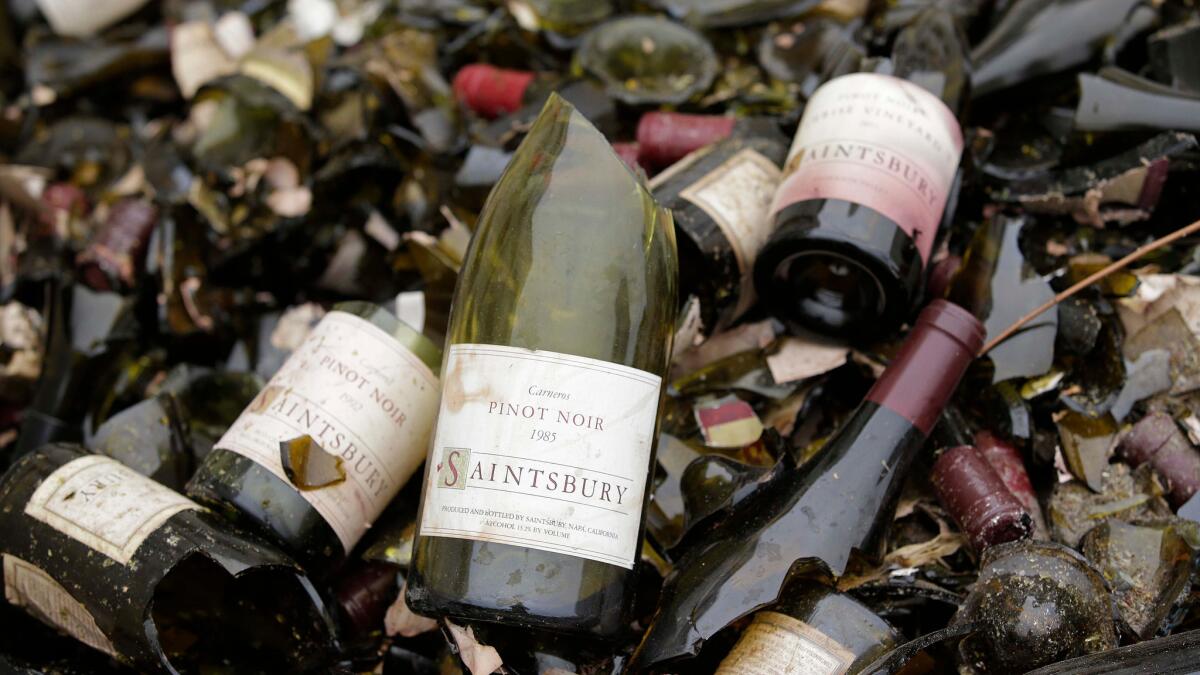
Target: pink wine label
(878, 141)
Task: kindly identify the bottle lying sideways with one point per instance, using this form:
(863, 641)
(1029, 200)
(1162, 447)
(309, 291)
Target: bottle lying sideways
(811, 521)
(360, 394)
(867, 180)
(146, 575)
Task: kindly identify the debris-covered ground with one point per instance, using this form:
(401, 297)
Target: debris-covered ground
(188, 188)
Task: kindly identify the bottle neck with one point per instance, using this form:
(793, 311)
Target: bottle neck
(490, 91)
(665, 138)
(920, 380)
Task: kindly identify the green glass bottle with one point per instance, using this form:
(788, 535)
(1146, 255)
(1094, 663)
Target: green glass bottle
(363, 386)
(558, 340)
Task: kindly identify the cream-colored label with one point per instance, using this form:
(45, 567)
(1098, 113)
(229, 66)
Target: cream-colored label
(28, 587)
(104, 505)
(361, 396)
(777, 644)
(737, 196)
(541, 450)
(878, 141)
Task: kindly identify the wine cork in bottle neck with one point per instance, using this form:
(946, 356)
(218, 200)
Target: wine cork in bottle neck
(664, 138)
(920, 380)
(490, 91)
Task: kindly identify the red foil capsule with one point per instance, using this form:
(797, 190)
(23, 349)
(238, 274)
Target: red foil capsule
(940, 276)
(61, 202)
(115, 255)
(1008, 463)
(666, 137)
(365, 593)
(1157, 439)
(977, 499)
(490, 91)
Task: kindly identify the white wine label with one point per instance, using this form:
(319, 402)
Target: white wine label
(541, 450)
(360, 395)
(878, 141)
(104, 505)
(777, 644)
(28, 587)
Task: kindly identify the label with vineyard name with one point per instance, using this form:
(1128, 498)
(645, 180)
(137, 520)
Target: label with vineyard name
(360, 395)
(879, 141)
(541, 450)
(104, 505)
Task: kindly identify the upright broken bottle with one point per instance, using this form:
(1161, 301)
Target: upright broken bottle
(865, 187)
(358, 397)
(559, 337)
(810, 521)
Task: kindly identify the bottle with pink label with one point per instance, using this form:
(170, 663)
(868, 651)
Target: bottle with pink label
(865, 187)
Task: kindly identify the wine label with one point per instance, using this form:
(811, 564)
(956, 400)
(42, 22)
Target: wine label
(737, 196)
(878, 141)
(541, 450)
(359, 395)
(28, 587)
(777, 644)
(104, 505)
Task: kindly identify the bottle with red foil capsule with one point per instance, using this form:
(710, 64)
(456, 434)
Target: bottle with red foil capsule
(865, 187)
(719, 196)
(809, 520)
(490, 92)
(664, 138)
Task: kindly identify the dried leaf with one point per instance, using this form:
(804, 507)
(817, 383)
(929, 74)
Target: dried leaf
(742, 338)
(81, 18)
(402, 621)
(798, 358)
(235, 34)
(479, 659)
(196, 57)
(1158, 294)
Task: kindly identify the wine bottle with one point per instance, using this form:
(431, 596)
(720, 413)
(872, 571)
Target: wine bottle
(150, 437)
(866, 182)
(143, 574)
(812, 629)
(1071, 598)
(719, 197)
(560, 21)
(664, 138)
(559, 337)
(667, 137)
(811, 520)
(490, 92)
(726, 13)
(998, 285)
(90, 336)
(808, 53)
(114, 258)
(1177, 653)
(682, 63)
(1035, 38)
(1117, 100)
(363, 387)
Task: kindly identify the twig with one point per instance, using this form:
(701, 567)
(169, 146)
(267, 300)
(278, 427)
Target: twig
(1120, 264)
